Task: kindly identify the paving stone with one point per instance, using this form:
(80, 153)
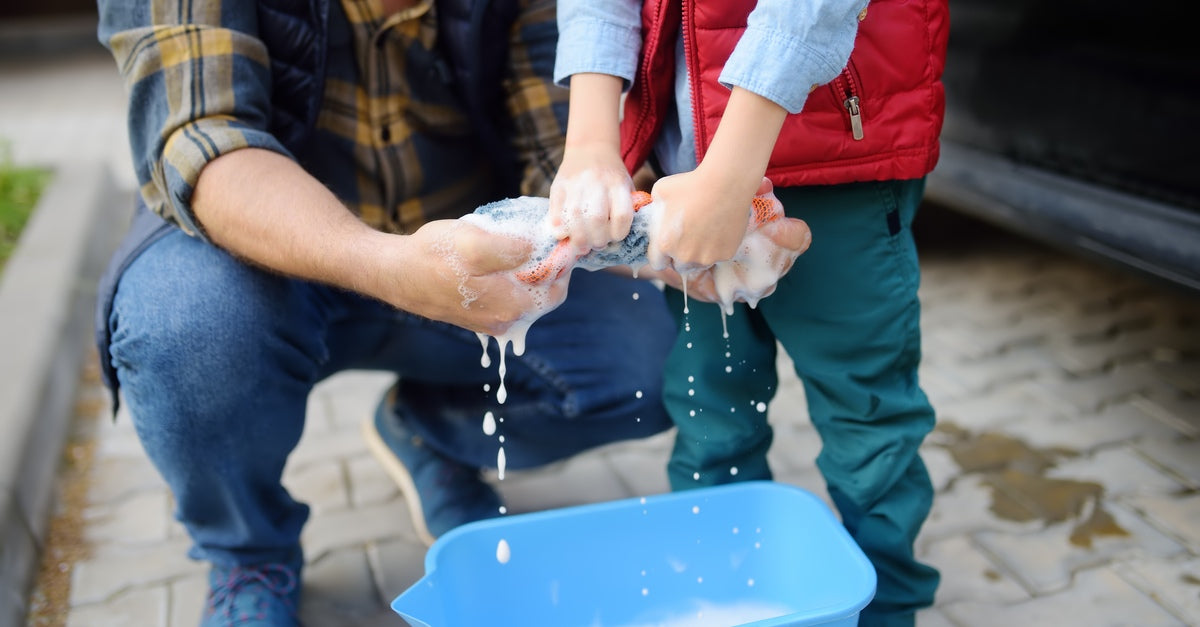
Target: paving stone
(992, 410)
(1177, 515)
(318, 415)
(355, 527)
(188, 597)
(1180, 412)
(1184, 375)
(643, 472)
(322, 485)
(941, 466)
(114, 479)
(1173, 583)
(1017, 364)
(942, 384)
(1123, 348)
(965, 508)
(369, 484)
(1097, 597)
(1044, 560)
(968, 574)
(1114, 424)
(396, 565)
(659, 443)
(175, 529)
(558, 485)
(789, 409)
(970, 343)
(112, 569)
(143, 607)
(811, 480)
(141, 518)
(933, 617)
(1120, 470)
(354, 394)
(795, 447)
(1089, 393)
(332, 445)
(1176, 455)
(115, 443)
(339, 589)
(1027, 330)
(1094, 327)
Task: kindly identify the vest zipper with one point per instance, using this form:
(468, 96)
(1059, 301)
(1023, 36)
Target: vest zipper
(699, 138)
(846, 88)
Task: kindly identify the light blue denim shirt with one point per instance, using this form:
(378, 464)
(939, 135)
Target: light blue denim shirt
(788, 47)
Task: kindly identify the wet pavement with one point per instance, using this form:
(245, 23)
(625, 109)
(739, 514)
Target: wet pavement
(1066, 461)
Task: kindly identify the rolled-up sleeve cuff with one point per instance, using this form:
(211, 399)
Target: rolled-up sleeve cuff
(193, 146)
(596, 46)
(778, 67)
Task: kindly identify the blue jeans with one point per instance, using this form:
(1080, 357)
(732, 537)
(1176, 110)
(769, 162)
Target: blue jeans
(216, 360)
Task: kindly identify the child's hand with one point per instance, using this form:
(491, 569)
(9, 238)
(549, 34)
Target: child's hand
(590, 199)
(766, 253)
(704, 218)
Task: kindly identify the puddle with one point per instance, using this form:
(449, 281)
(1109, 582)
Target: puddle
(1021, 491)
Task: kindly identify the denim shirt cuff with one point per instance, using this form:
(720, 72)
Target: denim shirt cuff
(596, 46)
(778, 67)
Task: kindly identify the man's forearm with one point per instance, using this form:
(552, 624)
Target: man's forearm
(264, 208)
(594, 116)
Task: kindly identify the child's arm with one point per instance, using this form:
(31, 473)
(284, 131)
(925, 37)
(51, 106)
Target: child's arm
(599, 42)
(787, 48)
(705, 212)
(590, 198)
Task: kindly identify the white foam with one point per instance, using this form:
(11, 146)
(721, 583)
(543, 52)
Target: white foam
(701, 613)
(752, 274)
(503, 551)
(485, 360)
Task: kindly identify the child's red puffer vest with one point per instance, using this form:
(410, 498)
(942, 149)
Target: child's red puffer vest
(878, 120)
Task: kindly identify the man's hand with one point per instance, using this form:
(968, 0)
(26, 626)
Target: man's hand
(455, 272)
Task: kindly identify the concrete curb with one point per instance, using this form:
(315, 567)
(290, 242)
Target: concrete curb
(47, 296)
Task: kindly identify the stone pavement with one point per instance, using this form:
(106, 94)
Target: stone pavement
(1067, 461)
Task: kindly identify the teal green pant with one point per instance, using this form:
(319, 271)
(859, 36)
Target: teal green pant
(848, 316)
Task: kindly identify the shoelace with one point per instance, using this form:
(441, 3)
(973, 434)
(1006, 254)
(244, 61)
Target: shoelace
(226, 590)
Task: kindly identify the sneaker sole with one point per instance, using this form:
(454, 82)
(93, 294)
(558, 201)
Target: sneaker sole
(400, 475)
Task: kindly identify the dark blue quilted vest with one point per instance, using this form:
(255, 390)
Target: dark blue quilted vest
(473, 36)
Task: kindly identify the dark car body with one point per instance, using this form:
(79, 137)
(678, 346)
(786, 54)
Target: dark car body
(1078, 123)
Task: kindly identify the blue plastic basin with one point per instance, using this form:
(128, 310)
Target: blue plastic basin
(754, 553)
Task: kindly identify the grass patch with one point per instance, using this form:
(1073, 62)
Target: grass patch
(19, 192)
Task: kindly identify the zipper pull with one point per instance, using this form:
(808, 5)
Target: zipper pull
(851, 105)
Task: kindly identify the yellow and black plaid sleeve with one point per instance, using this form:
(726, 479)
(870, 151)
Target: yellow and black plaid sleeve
(198, 80)
(537, 105)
